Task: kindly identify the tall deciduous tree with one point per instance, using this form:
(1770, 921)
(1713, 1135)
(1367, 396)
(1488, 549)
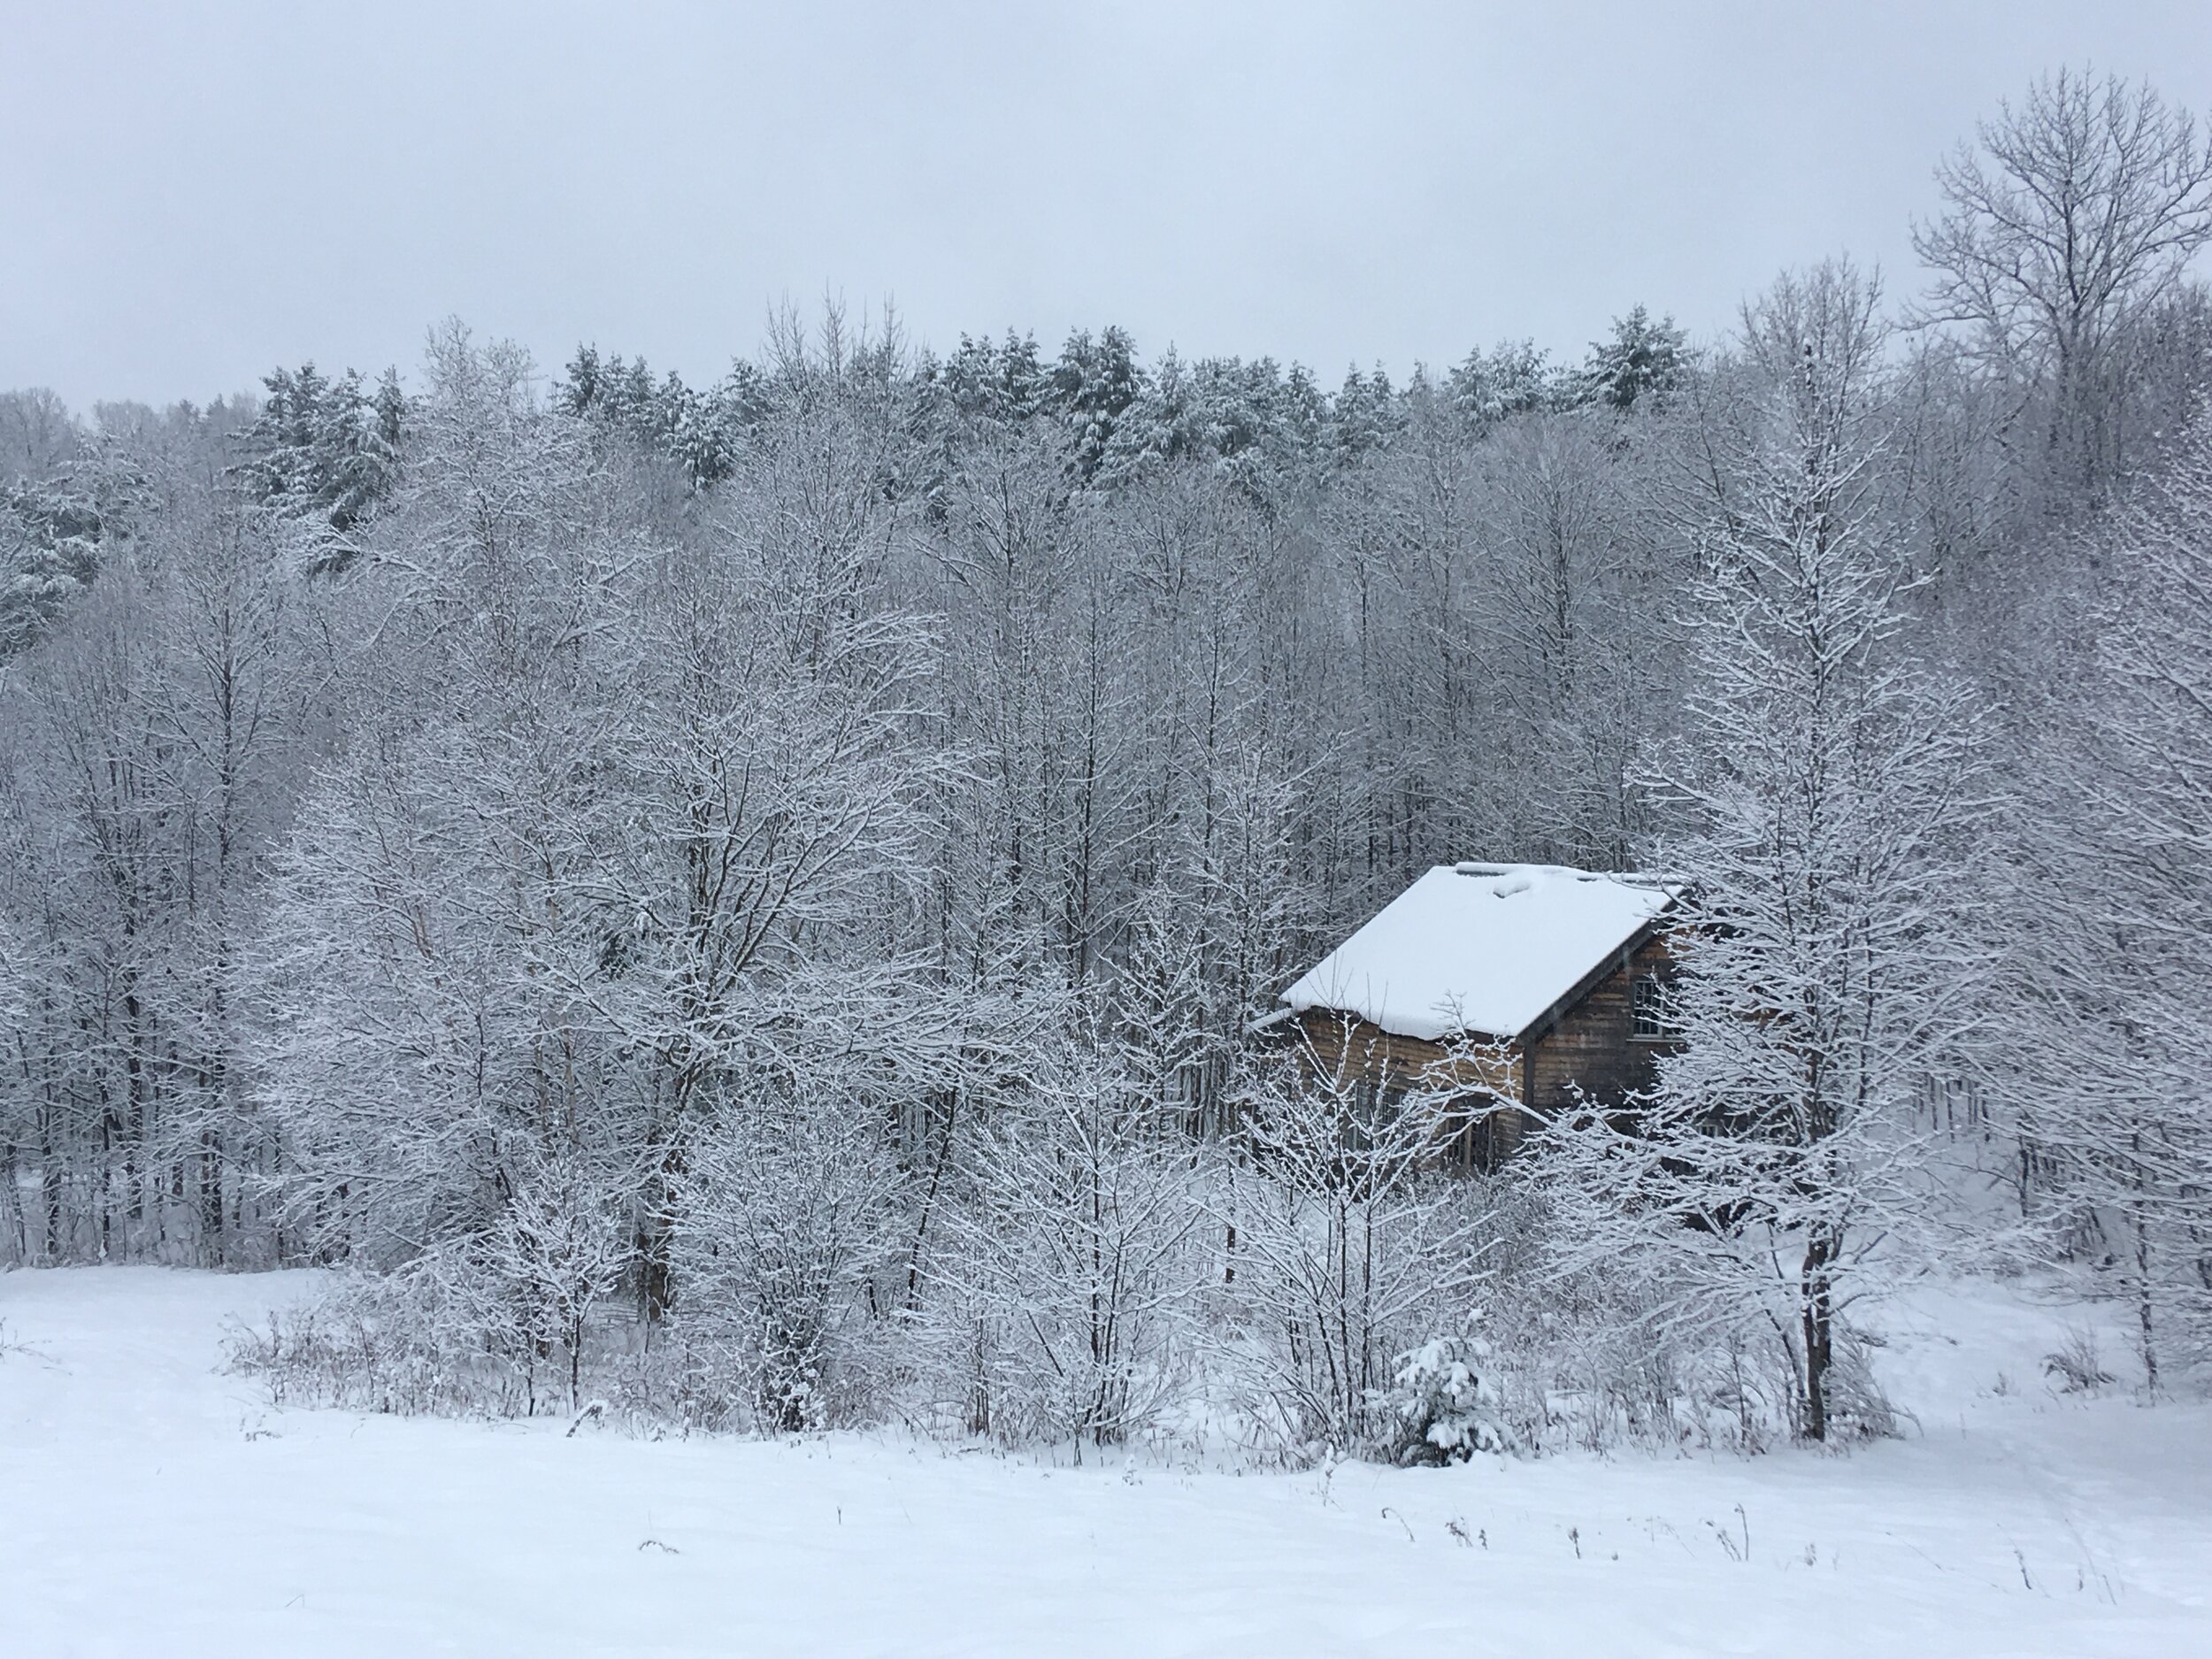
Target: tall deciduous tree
(1828, 790)
(2113, 1095)
(2062, 234)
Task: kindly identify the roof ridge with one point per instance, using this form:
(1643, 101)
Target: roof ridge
(1626, 878)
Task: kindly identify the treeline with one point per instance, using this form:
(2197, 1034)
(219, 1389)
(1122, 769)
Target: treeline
(798, 859)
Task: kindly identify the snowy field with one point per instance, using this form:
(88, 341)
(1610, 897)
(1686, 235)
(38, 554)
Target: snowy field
(150, 1505)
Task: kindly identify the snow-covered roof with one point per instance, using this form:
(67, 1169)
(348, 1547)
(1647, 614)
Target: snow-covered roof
(1480, 948)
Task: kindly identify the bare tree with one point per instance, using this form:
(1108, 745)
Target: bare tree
(1071, 1274)
(786, 1221)
(2078, 215)
(1352, 1247)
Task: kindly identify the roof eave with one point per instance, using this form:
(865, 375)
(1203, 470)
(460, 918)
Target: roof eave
(1614, 960)
(1462, 1034)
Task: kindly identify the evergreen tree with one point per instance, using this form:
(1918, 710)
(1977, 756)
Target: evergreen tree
(324, 453)
(1363, 415)
(1510, 379)
(1094, 383)
(50, 552)
(1006, 382)
(1644, 359)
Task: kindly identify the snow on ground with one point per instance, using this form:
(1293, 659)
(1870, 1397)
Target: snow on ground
(150, 1505)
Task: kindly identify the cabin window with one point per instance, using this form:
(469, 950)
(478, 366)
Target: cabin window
(1371, 1106)
(1648, 1009)
(1481, 1139)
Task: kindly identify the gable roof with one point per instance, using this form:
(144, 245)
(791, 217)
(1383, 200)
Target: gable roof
(1476, 948)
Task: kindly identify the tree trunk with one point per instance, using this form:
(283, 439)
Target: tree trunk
(1819, 1319)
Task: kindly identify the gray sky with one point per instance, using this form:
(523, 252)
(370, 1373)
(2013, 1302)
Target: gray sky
(192, 194)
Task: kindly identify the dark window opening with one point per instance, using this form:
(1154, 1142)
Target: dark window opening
(1482, 1136)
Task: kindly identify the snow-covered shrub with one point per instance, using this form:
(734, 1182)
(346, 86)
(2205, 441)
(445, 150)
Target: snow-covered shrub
(1351, 1247)
(1580, 1358)
(498, 1320)
(427, 1340)
(2076, 1364)
(784, 1222)
(1062, 1303)
(558, 1248)
(1860, 1408)
(1593, 1356)
(1445, 1407)
(1599, 1358)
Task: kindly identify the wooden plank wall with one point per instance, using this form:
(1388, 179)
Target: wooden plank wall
(1396, 1065)
(1488, 1132)
(1594, 1045)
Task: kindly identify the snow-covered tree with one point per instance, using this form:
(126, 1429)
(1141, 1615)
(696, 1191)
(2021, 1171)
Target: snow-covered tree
(2064, 230)
(2110, 962)
(1071, 1275)
(1351, 1247)
(1094, 383)
(786, 1227)
(1825, 960)
(1644, 357)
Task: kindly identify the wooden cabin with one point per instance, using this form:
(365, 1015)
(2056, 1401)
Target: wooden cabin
(1518, 988)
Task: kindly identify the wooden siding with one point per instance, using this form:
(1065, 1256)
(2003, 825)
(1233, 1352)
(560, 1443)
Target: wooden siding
(1592, 1044)
(1352, 1047)
(1488, 1131)
(1585, 1047)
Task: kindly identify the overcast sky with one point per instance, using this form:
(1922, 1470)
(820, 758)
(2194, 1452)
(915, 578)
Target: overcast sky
(191, 194)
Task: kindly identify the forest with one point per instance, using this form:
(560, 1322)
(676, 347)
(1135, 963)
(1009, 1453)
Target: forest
(744, 905)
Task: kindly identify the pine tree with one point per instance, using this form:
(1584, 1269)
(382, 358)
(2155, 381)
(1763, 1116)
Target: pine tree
(1512, 378)
(1094, 383)
(1644, 359)
(1363, 415)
